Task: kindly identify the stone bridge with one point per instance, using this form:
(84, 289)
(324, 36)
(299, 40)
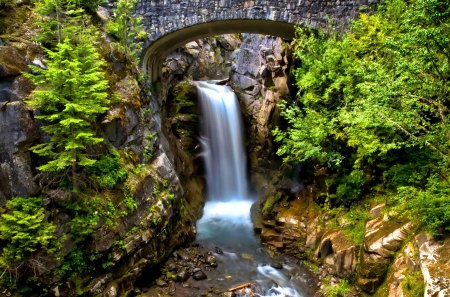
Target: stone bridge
(172, 23)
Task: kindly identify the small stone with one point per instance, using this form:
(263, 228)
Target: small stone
(182, 276)
(103, 13)
(277, 265)
(246, 256)
(218, 250)
(211, 261)
(161, 283)
(199, 275)
(172, 267)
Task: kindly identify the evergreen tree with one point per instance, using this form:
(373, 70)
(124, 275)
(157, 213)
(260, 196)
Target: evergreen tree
(62, 18)
(70, 95)
(127, 29)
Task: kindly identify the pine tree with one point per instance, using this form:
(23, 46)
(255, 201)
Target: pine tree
(128, 29)
(59, 19)
(70, 95)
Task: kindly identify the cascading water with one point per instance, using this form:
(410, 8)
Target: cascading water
(226, 220)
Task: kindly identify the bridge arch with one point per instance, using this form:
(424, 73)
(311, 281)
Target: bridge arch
(172, 23)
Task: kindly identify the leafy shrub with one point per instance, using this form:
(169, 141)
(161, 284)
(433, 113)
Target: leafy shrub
(24, 230)
(430, 206)
(350, 187)
(337, 290)
(4, 3)
(374, 102)
(356, 219)
(107, 172)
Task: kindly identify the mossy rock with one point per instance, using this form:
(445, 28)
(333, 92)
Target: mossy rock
(12, 63)
(182, 99)
(269, 204)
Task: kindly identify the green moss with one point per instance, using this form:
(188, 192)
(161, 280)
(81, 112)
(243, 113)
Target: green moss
(355, 227)
(313, 267)
(413, 284)
(182, 94)
(269, 203)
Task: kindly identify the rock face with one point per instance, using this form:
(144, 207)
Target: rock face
(17, 128)
(260, 78)
(434, 259)
(387, 263)
(158, 217)
(384, 236)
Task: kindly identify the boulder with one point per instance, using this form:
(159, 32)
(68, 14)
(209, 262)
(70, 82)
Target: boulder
(339, 253)
(199, 275)
(383, 238)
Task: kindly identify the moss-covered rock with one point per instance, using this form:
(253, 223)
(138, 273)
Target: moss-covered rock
(12, 63)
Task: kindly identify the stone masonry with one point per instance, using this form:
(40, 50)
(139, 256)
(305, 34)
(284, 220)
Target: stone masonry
(164, 16)
(172, 23)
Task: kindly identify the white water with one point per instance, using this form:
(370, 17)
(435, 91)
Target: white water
(223, 147)
(226, 216)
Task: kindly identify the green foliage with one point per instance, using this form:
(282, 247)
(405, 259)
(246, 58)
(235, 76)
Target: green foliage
(430, 205)
(127, 29)
(350, 187)
(337, 290)
(74, 263)
(24, 230)
(373, 106)
(86, 214)
(355, 226)
(413, 284)
(5, 3)
(61, 19)
(107, 172)
(71, 93)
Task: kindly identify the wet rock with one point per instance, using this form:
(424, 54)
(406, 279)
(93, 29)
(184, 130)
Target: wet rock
(218, 250)
(339, 254)
(229, 42)
(277, 265)
(17, 133)
(182, 276)
(111, 291)
(326, 248)
(103, 13)
(246, 256)
(199, 275)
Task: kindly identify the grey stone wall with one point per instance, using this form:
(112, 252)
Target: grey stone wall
(164, 16)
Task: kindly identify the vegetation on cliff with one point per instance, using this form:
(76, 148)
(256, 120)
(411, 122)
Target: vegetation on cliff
(85, 184)
(372, 110)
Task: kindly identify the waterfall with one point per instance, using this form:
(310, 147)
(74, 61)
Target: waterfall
(226, 219)
(223, 148)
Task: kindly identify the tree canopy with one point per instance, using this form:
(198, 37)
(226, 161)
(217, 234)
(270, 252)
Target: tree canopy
(372, 107)
(71, 93)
